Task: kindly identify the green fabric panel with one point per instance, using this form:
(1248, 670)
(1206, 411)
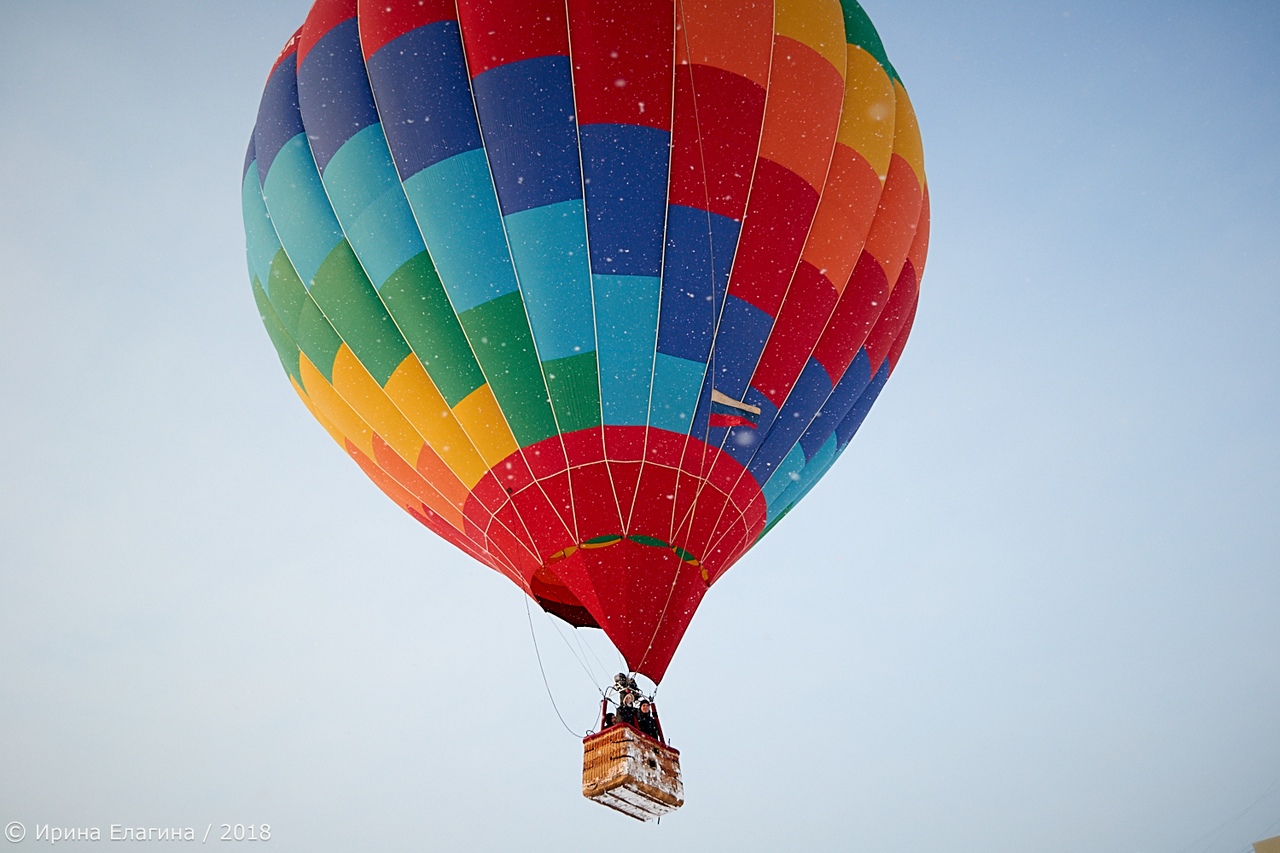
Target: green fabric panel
(774, 523)
(649, 540)
(344, 293)
(416, 299)
(301, 318)
(285, 346)
(499, 333)
(859, 30)
(574, 382)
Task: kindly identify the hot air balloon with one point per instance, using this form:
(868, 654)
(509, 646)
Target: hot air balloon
(595, 290)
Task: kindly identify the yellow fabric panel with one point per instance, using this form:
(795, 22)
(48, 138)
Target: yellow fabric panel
(906, 135)
(362, 392)
(345, 425)
(413, 392)
(315, 413)
(481, 416)
(334, 408)
(816, 23)
(868, 120)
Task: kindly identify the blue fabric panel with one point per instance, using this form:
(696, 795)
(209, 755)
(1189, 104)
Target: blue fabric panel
(300, 209)
(625, 166)
(458, 215)
(811, 390)
(424, 97)
(278, 117)
(700, 249)
(249, 156)
(853, 420)
(261, 243)
(626, 330)
(742, 443)
(549, 247)
(835, 407)
(739, 341)
(675, 392)
(333, 90)
(526, 116)
(370, 203)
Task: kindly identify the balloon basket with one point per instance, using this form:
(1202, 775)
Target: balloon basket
(631, 773)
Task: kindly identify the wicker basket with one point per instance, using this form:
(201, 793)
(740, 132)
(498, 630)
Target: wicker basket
(631, 773)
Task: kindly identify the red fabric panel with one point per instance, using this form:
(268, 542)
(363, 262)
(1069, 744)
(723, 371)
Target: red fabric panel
(631, 42)
(780, 210)
(920, 245)
(901, 301)
(664, 448)
(546, 457)
(729, 547)
(583, 446)
(626, 478)
(715, 139)
(894, 229)
(383, 21)
(520, 546)
(498, 32)
(900, 342)
(558, 491)
(324, 16)
(594, 504)
(504, 542)
(809, 303)
(864, 298)
(511, 474)
(545, 525)
(488, 493)
(642, 596)
(654, 502)
(624, 443)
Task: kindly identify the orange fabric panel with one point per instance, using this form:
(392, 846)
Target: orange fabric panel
(844, 216)
(802, 115)
(734, 35)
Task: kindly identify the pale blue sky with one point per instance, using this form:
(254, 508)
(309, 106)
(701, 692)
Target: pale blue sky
(1035, 606)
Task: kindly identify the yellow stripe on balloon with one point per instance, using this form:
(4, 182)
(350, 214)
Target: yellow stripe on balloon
(417, 397)
(334, 409)
(869, 110)
(482, 418)
(906, 135)
(819, 24)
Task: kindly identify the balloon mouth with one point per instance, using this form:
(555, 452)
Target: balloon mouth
(557, 599)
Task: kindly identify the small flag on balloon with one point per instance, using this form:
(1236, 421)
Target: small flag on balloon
(728, 412)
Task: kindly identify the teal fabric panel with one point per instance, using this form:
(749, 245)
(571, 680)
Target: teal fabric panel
(366, 195)
(549, 247)
(675, 392)
(626, 337)
(457, 213)
(261, 242)
(300, 208)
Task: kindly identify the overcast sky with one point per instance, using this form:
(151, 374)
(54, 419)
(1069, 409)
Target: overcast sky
(1036, 606)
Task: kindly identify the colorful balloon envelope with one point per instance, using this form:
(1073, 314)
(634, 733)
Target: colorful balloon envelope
(597, 290)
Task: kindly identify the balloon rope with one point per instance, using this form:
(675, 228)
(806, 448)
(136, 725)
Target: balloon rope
(582, 661)
(538, 654)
